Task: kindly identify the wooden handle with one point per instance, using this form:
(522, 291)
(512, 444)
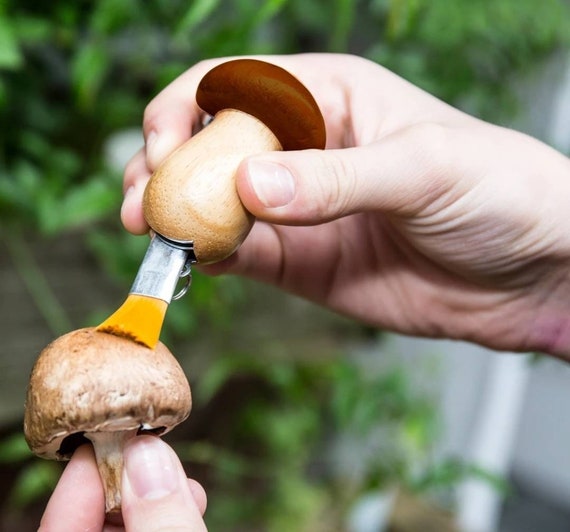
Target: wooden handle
(192, 195)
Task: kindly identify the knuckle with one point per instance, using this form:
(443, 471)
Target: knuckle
(151, 115)
(336, 180)
(433, 149)
(130, 174)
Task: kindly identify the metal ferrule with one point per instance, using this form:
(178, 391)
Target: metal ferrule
(162, 266)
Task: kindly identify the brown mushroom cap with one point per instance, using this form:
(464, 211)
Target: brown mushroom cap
(90, 381)
(269, 93)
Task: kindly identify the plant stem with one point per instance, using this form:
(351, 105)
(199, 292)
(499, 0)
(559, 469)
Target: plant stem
(36, 283)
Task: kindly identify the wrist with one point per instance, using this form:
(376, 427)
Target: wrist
(549, 331)
(550, 334)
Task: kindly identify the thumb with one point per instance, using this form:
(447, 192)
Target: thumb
(399, 174)
(155, 493)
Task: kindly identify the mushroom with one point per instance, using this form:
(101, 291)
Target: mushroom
(90, 385)
(257, 107)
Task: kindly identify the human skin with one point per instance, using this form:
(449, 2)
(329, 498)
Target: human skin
(156, 494)
(417, 218)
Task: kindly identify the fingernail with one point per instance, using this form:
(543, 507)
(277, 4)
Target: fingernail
(152, 148)
(150, 141)
(128, 193)
(150, 468)
(128, 199)
(272, 183)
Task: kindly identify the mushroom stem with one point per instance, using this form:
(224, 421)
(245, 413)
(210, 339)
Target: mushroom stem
(108, 448)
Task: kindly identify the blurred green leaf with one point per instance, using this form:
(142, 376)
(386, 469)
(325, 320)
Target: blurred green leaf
(228, 462)
(449, 472)
(14, 449)
(24, 185)
(10, 55)
(110, 16)
(268, 10)
(420, 428)
(197, 12)
(89, 68)
(344, 12)
(402, 16)
(32, 30)
(120, 253)
(36, 480)
(220, 371)
(94, 200)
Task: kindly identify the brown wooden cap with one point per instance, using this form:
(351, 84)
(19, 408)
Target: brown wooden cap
(269, 93)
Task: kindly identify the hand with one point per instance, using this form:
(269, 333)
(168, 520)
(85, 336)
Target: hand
(156, 495)
(417, 218)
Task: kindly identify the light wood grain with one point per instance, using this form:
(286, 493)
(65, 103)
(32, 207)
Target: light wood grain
(192, 195)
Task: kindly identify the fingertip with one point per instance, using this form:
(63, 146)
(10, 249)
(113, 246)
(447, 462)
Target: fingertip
(78, 500)
(280, 188)
(152, 469)
(135, 170)
(83, 453)
(199, 495)
(268, 184)
(161, 142)
(132, 215)
(309, 187)
(173, 114)
(155, 491)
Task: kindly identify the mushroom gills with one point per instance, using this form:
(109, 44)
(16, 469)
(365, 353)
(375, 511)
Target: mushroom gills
(70, 443)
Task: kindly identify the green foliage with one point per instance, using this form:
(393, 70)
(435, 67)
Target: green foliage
(14, 449)
(36, 478)
(469, 50)
(451, 471)
(73, 73)
(10, 56)
(311, 436)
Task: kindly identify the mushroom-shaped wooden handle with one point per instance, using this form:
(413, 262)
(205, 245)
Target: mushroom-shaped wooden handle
(257, 107)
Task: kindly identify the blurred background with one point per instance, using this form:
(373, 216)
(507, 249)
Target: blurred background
(303, 421)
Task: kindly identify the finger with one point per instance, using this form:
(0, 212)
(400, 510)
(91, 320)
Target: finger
(172, 115)
(135, 170)
(283, 256)
(78, 502)
(132, 215)
(198, 494)
(134, 183)
(156, 495)
(401, 174)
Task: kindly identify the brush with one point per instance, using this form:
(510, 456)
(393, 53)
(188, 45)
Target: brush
(191, 201)
(141, 316)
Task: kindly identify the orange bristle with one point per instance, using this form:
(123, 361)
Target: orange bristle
(139, 318)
